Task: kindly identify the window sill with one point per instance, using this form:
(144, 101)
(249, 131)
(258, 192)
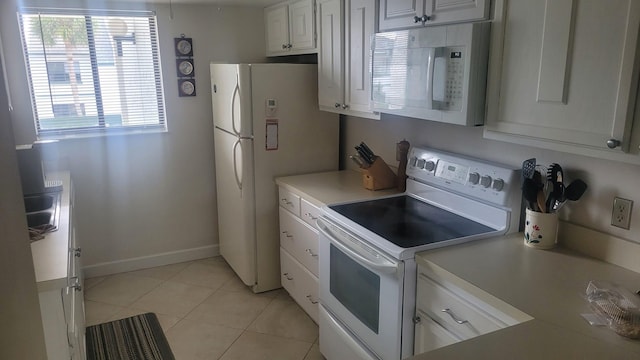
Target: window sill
(98, 134)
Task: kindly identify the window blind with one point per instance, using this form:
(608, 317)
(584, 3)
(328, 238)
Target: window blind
(93, 72)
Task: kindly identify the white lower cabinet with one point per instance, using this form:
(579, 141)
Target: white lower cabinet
(449, 310)
(299, 251)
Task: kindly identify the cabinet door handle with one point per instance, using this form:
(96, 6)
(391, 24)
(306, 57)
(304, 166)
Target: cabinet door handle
(344, 106)
(311, 300)
(310, 216)
(286, 275)
(337, 105)
(76, 286)
(613, 143)
(289, 46)
(311, 253)
(453, 316)
(423, 19)
(287, 202)
(416, 319)
(284, 46)
(286, 233)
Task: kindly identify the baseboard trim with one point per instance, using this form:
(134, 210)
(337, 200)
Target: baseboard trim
(143, 262)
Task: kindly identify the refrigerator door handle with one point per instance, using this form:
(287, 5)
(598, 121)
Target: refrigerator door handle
(235, 165)
(236, 91)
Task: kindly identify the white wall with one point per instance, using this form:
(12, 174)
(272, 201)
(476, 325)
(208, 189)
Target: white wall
(140, 195)
(605, 179)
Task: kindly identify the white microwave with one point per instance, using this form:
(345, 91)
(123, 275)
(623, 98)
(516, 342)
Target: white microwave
(434, 73)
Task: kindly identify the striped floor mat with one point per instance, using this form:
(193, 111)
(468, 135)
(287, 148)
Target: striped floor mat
(136, 338)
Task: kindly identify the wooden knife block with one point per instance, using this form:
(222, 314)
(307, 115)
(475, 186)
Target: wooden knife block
(378, 176)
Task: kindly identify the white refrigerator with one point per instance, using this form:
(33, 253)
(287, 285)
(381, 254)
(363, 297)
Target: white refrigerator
(266, 124)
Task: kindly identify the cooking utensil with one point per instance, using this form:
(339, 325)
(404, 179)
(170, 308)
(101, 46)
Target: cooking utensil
(537, 179)
(555, 177)
(530, 193)
(368, 150)
(575, 190)
(528, 168)
(356, 159)
(364, 155)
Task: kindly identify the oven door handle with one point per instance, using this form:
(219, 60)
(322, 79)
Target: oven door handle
(379, 264)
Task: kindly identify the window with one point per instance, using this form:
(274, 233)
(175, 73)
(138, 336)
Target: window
(93, 72)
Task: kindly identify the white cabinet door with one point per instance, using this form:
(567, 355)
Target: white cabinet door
(399, 14)
(562, 80)
(301, 26)
(361, 24)
(276, 21)
(330, 54)
(450, 11)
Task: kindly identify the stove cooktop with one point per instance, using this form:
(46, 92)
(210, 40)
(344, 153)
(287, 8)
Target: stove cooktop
(408, 222)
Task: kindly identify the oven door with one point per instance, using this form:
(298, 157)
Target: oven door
(362, 288)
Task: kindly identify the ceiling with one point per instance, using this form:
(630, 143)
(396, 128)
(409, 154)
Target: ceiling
(257, 3)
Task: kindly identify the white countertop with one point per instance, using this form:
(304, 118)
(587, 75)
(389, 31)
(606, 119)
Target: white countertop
(550, 286)
(51, 254)
(331, 187)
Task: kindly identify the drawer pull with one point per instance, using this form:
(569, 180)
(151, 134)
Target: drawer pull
(284, 200)
(311, 216)
(286, 275)
(311, 253)
(76, 286)
(416, 319)
(77, 252)
(286, 233)
(454, 317)
(311, 300)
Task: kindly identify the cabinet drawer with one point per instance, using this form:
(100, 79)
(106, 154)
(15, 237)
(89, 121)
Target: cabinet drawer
(429, 335)
(290, 201)
(453, 312)
(309, 212)
(300, 284)
(300, 240)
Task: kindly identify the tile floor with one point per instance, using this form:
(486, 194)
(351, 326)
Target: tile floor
(207, 312)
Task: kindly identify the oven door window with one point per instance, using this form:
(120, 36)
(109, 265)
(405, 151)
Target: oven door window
(356, 287)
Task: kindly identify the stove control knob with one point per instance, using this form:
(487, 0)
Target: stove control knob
(420, 164)
(474, 178)
(498, 184)
(485, 181)
(412, 161)
(429, 165)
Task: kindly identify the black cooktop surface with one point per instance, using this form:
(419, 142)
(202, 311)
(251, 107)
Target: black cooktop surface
(408, 222)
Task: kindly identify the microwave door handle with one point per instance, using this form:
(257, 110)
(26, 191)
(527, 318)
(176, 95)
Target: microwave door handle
(384, 266)
(430, 70)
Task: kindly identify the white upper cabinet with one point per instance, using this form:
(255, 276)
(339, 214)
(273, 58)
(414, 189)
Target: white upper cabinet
(344, 45)
(290, 28)
(402, 14)
(564, 75)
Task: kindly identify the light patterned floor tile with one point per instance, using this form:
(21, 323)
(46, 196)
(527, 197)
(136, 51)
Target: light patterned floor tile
(166, 321)
(232, 309)
(98, 313)
(194, 340)
(256, 346)
(161, 272)
(211, 274)
(173, 298)
(121, 289)
(286, 319)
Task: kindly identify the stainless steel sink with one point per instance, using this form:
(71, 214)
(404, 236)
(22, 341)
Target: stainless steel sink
(43, 212)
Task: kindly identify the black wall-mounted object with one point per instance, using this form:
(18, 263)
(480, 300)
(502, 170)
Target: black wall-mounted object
(185, 68)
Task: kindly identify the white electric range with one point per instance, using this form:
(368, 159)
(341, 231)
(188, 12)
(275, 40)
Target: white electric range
(367, 248)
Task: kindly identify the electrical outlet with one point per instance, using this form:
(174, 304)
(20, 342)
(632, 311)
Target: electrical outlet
(621, 215)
